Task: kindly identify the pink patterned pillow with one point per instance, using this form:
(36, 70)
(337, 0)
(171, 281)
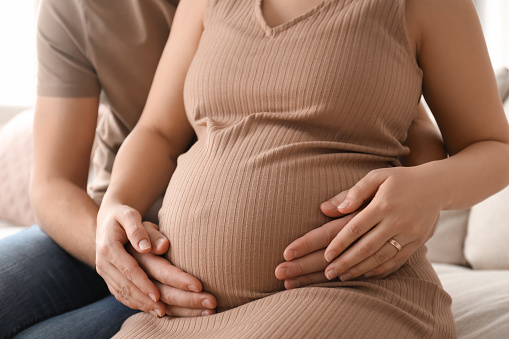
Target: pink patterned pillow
(15, 160)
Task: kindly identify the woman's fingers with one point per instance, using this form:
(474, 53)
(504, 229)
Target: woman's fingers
(372, 249)
(160, 244)
(311, 263)
(354, 230)
(161, 270)
(305, 280)
(315, 240)
(380, 257)
(330, 207)
(176, 311)
(179, 291)
(130, 220)
(364, 190)
(393, 264)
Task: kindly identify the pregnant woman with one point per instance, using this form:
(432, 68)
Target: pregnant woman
(293, 102)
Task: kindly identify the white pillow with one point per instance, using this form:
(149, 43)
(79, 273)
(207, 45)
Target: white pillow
(446, 244)
(15, 160)
(487, 242)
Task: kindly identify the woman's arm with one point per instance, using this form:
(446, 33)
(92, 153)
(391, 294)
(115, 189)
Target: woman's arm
(143, 168)
(461, 91)
(460, 88)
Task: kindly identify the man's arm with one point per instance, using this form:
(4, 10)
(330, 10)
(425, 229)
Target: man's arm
(424, 140)
(64, 130)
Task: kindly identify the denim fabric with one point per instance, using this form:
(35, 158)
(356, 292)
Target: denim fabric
(46, 293)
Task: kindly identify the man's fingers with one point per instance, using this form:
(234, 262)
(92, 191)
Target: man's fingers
(128, 294)
(317, 239)
(131, 271)
(311, 263)
(130, 220)
(176, 297)
(160, 269)
(160, 244)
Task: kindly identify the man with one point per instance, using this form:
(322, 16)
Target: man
(89, 52)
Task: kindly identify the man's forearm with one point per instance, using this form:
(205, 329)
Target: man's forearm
(68, 215)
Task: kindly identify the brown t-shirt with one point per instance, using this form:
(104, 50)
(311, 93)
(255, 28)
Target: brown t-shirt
(110, 48)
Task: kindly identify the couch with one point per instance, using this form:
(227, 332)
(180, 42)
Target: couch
(469, 249)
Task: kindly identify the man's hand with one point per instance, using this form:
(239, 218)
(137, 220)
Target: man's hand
(159, 287)
(180, 292)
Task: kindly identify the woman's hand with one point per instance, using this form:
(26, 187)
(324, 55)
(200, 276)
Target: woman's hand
(171, 290)
(403, 205)
(305, 256)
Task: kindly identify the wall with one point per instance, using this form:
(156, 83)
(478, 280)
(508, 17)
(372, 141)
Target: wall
(494, 15)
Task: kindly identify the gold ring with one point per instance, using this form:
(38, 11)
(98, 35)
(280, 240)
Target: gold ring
(394, 243)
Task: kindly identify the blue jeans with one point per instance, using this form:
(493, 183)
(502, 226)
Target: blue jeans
(46, 293)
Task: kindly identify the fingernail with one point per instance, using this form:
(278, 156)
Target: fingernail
(154, 313)
(330, 256)
(206, 313)
(344, 204)
(345, 276)
(159, 313)
(283, 272)
(332, 274)
(330, 205)
(206, 303)
(159, 243)
(369, 274)
(153, 297)
(193, 288)
(144, 244)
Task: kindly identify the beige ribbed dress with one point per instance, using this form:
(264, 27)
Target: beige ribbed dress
(289, 117)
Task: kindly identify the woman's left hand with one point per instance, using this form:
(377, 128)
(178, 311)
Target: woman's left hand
(402, 205)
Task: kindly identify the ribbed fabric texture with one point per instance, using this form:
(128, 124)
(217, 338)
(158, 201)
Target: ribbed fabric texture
(287, 117)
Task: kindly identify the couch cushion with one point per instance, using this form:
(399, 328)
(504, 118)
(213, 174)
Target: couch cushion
(503, 82)
(480, 300)
(15, 157)
(446, 244)
(486, 245)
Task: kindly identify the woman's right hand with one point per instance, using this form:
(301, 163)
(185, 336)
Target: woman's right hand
(138, 276)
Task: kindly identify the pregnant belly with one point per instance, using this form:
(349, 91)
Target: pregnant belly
(229, 218)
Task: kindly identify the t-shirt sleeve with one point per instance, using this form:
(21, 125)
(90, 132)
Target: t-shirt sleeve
(63, 67)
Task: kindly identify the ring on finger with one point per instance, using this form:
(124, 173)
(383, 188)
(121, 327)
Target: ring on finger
(394, 243)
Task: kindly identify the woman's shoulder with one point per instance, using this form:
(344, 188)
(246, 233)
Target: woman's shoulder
(426, 18)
